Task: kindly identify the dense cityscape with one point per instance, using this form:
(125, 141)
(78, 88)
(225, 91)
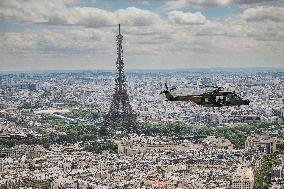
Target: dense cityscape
(194, 100)
(52, 132)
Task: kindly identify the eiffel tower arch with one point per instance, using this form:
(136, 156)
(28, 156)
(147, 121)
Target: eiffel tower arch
(121, 115)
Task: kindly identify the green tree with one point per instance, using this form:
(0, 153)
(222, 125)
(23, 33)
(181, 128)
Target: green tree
(263, 176)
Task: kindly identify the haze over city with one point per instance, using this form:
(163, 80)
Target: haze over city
(169, 34)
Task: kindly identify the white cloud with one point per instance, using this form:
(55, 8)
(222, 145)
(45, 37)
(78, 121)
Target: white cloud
(15, 42)
(32, 10)
(185, 37)
(179, 17)
(75, 41)
(258, 14)
(177, 4)
(56, 12)
(86, 16)
(171, 5)
(137, 17)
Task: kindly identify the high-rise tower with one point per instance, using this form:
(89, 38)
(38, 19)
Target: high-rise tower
(121, 116)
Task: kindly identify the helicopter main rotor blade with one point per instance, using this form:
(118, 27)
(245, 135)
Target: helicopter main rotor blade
(166, 86)
(173, 88)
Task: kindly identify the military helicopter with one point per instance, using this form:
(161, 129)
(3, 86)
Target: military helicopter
(215, 98)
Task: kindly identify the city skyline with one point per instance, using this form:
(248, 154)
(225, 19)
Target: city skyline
(51, 132)
(174, 34)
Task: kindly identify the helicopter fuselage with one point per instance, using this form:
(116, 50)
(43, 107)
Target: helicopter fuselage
(211, 99)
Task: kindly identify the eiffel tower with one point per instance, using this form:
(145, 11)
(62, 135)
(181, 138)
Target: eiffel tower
(120, 116)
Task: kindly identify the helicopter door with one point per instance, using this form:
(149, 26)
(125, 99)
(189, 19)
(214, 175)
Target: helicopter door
(229, 97)
(220, 99)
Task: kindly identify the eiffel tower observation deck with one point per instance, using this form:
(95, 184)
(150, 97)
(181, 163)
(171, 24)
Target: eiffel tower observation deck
(121, 116)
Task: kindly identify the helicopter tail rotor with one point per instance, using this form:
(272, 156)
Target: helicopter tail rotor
(166, 86)
(173, 88)
(167, 89)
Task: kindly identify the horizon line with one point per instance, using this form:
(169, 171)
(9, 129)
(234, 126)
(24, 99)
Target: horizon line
(147, 69)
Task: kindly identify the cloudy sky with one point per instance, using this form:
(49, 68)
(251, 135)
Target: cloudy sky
(158, 34)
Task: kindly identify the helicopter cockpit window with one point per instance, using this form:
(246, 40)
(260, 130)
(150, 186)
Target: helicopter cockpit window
(237, 97)
(219, 98)
(229, 97)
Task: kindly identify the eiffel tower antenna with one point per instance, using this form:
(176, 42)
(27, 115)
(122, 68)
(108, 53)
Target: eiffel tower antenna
(119, 28)
(120, 116)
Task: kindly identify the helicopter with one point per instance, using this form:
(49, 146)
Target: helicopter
(215, 98)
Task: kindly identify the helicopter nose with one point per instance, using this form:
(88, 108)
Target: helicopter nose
(246, 102)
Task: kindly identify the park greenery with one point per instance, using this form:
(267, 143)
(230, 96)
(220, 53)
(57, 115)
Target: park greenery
(70, 103)
(72, 133)
(52, 120)
(166, 130)
(263, 176)
(237, 134)
(46, 93)
(66, 133)
(43, 140)
(99, 148)
(28, 105)
(82, 114)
